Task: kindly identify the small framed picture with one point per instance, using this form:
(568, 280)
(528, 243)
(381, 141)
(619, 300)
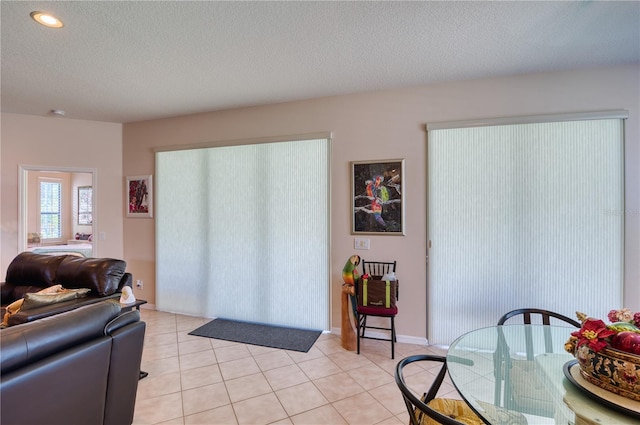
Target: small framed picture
(377, 197)
(139, 192)
(85, 205)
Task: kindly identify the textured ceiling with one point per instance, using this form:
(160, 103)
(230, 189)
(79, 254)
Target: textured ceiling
(133, 61)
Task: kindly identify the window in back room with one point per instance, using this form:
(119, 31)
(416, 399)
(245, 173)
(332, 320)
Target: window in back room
(50, 209)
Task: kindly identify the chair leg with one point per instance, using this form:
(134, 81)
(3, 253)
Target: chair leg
(358, 330)
(361, 326)
(393, 337)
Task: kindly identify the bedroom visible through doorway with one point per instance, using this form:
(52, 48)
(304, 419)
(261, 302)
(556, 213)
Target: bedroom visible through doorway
(55, 208)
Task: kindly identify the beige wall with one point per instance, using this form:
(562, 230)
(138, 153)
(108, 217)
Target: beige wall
(380, 125)
(391, 124)
(62, 143)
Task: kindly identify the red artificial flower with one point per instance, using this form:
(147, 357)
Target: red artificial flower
(593, 333)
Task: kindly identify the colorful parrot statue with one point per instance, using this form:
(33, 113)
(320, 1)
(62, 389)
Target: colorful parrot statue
(350, 270)
(350, 277)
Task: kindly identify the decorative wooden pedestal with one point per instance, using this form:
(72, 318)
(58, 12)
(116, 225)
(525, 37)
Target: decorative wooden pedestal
(347, 332)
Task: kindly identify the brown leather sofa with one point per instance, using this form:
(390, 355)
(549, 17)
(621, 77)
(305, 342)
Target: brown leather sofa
(77, 367)
(30, 272)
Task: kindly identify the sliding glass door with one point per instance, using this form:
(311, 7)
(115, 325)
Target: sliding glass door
(243, 232)
(523, 215)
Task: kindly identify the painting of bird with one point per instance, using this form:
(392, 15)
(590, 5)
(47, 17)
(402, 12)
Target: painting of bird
(377, 201)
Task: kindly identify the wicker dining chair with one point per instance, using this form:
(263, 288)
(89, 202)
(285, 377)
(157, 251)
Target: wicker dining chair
(432, 410)
(428, 409)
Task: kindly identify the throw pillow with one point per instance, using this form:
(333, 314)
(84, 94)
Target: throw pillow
(35, 300)
(15, 306)
(51, 290)
(11, 309)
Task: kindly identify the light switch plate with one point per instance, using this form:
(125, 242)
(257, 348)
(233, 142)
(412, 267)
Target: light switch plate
(361, 243)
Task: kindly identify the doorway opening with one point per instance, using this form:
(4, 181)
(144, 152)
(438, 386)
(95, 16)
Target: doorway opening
(55, 215)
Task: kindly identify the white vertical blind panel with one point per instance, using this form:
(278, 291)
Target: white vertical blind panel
(521, 216)
(258, 224)
(182, 239)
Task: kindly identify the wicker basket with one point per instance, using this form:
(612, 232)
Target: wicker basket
(611, 369)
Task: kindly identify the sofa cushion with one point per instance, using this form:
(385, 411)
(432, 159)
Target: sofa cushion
(16, 306)
(29, 269)
(101, 275)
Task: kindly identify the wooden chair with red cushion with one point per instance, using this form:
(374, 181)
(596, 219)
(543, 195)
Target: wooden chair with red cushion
(376, 269)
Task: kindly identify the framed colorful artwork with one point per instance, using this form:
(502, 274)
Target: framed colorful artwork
(377, 197)
(139, 191)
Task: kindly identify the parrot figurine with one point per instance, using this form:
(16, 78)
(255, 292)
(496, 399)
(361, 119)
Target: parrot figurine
(350, 270)
(350, 278)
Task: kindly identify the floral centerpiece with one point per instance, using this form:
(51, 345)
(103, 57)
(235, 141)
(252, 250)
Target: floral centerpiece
(609, 354)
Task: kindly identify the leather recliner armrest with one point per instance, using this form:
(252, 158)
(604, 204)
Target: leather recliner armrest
(122, 320)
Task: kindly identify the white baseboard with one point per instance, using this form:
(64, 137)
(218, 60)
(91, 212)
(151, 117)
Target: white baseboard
(407, 339)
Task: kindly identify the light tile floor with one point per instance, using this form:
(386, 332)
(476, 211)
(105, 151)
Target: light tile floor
(197, 380)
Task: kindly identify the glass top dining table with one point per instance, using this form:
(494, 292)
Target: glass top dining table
(521, 368)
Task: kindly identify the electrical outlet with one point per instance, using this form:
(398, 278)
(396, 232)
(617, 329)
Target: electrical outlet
(139, 284)
(361, 243)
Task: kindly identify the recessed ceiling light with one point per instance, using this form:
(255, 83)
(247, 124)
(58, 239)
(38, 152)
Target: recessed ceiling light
(46, 19)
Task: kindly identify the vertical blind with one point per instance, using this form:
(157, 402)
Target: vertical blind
(523, 215)
(242, 232)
